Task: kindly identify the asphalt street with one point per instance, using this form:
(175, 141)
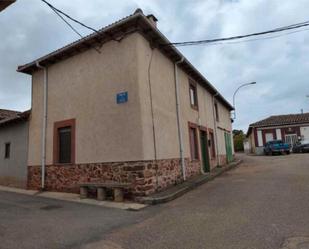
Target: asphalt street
(264, 203)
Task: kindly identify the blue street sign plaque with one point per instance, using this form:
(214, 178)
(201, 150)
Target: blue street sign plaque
(122, 97)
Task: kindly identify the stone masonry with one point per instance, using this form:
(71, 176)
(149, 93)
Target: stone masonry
(146, 177)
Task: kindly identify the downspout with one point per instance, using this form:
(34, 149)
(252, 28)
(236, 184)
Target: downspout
(43, 154)
(182, 158)
(215, 126)
(152, 114)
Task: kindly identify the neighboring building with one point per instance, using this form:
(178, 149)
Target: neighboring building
(247, 146)
(13, 148)
(289, 128)
(114, 115)
(5, 3)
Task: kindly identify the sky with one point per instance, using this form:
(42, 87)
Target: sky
(280, 66)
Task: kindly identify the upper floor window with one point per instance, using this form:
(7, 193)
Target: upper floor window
(193, 95)
(64, 141)
(217, 111)
(7, 150)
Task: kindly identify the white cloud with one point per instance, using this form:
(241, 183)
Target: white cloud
(279, 65)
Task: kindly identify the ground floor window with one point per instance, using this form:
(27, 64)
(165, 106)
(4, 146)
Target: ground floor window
(7, 150)
(269, 137)
(64, 141)
(65, 135)
(291, 139)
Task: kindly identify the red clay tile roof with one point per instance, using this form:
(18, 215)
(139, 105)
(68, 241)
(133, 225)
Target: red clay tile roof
(136, 22)
(282, 120)
(5, 114)
(8, 116)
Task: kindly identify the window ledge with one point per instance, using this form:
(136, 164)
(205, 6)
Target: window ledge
(194, 107)
(63, 164)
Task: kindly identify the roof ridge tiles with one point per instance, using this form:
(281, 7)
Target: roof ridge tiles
(275, 120)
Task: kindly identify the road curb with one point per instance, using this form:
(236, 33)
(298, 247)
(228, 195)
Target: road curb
(149, 200)
(74, 198)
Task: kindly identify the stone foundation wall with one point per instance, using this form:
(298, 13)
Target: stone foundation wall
(146, 177)
(222, 160)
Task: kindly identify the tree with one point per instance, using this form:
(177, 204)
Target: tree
(238, 138)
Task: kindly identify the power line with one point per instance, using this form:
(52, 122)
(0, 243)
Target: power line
(218, 41)
(71, 18)
(198, 42)
(68, 23)
(57, 11)
(252, 40)
(82, 37)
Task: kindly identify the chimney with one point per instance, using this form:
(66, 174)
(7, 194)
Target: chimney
(152, 19)
(138, 11)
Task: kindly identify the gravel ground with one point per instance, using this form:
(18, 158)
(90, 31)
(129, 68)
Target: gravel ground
(264, 203)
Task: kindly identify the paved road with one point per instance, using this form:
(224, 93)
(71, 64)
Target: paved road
(257, 205)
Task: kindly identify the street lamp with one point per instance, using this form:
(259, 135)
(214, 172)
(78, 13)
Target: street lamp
(243, 85)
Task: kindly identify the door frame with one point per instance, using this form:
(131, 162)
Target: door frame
(204, 149)
(290, 136)
(228, 146)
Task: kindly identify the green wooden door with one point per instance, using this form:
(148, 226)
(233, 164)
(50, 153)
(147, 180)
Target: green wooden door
(228, 147)
(204, 148)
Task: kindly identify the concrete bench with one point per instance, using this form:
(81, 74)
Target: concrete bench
(118, 190)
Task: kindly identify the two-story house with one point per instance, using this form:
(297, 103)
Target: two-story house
(133, 109)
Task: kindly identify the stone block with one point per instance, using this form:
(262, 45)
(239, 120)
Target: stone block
(118, 194)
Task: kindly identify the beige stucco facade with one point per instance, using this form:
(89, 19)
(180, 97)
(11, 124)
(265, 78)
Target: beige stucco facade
(13, 170)
(84, 87)
(162, 81)
(137, 141)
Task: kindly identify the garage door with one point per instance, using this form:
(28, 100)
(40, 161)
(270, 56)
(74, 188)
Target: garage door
(304, 132)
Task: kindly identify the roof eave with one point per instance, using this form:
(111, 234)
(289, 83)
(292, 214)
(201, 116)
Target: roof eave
(275, 125)
(150, 31)
(24, 116)
(188, 66)
(5, 4)
(77, 46)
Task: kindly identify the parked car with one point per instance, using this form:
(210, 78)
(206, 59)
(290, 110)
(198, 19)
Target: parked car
(301, 147)
(276, 147)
